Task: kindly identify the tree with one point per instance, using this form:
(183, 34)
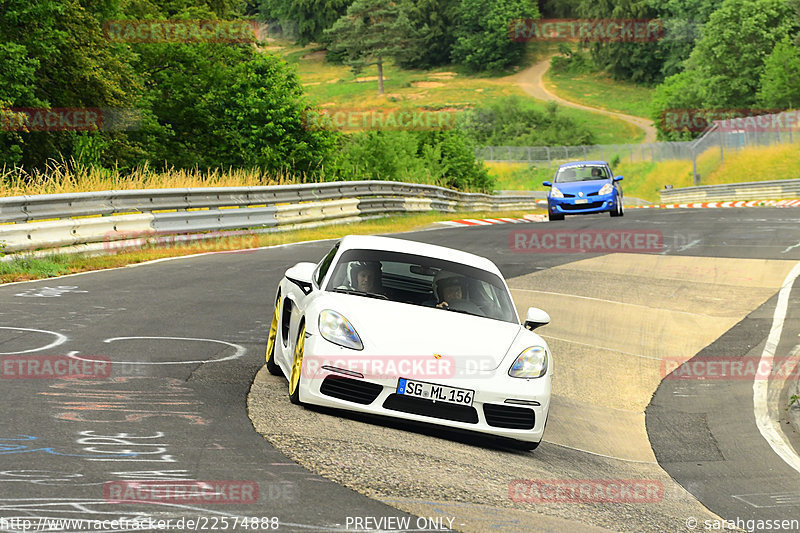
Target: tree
(780, 81)
(729, 58)
(679, 96)
(683, 21)
(228, 105)
(482, 33)
(371, 32)
(639, 62)
(54, 54)
(310, 18)
(434, 22)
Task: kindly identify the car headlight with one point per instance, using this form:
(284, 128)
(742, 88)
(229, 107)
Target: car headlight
(555, 193)
(337, 329)
(607, 188)
(531, 363)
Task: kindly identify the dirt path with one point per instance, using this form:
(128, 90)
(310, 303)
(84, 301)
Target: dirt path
(531, 80)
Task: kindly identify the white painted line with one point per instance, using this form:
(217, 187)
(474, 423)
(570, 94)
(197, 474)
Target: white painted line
(602, 347)
(767, 412)
(602, 455)
(60, 339)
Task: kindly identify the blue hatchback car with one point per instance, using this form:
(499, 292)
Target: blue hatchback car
(584, 187)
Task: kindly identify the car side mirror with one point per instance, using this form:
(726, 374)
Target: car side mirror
(536, 318)
(301, 275)
(547, 184)
(618, 178)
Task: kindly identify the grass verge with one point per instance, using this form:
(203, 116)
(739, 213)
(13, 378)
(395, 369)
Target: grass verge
(28, 268)
(600, 90)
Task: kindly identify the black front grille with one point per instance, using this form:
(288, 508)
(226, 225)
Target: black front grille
(506, 416)
(352, 390)
(589, 205)
(425, 407)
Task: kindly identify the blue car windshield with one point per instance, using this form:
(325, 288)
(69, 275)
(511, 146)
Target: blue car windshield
(581, 173)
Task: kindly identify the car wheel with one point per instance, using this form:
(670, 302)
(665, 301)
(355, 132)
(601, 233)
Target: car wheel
(273, 368)
(297, 366)
(553, 217)
(618, 212)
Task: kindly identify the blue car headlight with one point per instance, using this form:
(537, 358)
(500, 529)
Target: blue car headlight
(555, 193)
(607, 188)
(337, 329)
(531, 363)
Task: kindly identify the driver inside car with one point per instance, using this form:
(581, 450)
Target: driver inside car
(450, 290)
(365, 276)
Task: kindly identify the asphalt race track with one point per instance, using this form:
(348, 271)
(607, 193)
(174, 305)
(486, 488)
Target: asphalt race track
(174, 393)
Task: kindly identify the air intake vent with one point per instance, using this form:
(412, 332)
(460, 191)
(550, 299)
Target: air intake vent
(504, 416)
(352, 390)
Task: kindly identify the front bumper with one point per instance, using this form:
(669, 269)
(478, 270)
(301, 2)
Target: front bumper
(590, 204)
(488, 412)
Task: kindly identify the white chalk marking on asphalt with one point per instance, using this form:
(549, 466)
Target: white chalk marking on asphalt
(240, 351)
(60, 339)
(790, 247)
(766, 414)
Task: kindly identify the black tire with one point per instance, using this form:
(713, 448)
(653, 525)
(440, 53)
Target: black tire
(297, 366)
(272, 338)
(619, 211)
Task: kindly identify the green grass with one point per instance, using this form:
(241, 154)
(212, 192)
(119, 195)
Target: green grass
(451, 88)
(599, 90)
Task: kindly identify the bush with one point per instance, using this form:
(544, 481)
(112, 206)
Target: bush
(512, 121)
(445, 158)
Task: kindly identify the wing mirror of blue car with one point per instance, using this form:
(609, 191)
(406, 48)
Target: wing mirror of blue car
(535, 318)
(547, 184)
(618, 178)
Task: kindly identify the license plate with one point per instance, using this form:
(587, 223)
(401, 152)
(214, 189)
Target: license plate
(584, 201)
(438, 393)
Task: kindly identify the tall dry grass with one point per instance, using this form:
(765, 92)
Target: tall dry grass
(63, 178)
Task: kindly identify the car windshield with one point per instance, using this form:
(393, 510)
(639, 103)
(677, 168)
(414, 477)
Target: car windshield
(581, 173)
(423, 281)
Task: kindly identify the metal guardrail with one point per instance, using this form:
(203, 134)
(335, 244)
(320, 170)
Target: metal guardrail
(76, 219)
(754, 190)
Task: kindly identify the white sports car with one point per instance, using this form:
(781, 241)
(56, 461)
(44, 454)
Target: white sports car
(415, 331)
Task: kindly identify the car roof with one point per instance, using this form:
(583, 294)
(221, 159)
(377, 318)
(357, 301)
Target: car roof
(372, 242)
(582, 163)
